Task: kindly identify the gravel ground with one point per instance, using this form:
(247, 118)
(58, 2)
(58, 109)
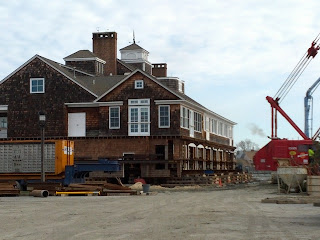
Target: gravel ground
(183, 213)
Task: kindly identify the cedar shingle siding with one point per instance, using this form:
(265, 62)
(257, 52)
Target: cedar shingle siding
(23, 107)
(84, 89)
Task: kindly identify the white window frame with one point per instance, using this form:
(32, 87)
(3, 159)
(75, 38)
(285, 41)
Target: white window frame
(138, 104)
(3, 122)
(198, 122)
(225, 130)
(37, 79)
(180, 86)
(184, 118)
(207, 124)
(214, 128)
(159, 116)
(230, 134)
(138, 84)
(116, 107)
(220, 128)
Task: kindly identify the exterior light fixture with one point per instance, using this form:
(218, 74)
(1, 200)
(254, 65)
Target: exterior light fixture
(42, 123)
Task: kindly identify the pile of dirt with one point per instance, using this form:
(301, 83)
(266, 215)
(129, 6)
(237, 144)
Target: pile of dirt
(136, 186)
(157, 187)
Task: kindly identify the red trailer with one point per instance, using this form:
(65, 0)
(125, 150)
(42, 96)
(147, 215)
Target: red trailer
(266, 159)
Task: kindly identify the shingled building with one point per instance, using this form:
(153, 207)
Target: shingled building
(126, 109)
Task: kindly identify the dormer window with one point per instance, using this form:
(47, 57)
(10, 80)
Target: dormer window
(138, 84)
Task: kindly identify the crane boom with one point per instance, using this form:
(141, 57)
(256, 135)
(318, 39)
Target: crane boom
(286, 87)
(298, 70)
(275, 105)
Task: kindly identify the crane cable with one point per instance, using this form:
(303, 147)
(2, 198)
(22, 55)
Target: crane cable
(296, 73)
(291, 77)
(294, 80)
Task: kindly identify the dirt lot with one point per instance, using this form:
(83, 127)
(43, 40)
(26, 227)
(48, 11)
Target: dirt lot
(200, 213)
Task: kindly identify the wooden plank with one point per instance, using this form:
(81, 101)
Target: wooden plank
(15, 192)
(118, 194)
(107, 192)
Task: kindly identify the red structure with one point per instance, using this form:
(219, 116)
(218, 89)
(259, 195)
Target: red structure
(266, 159)
(296, 151)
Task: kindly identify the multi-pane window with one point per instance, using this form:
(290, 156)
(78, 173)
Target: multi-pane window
(164, 116)
(197, 122)
(144, 119)
(99, 67)
(180, 86)
(138, 84)
(220, 128)
(139, 117)
(36, 85)
(134, 119)
(207, 124)
(3, 122)
(225, 132)
(114, 117)
(184, 117)
(230, 132)
(214, 126)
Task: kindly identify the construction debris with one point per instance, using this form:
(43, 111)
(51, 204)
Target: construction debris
(51, 187)
(9, 189)
(104, 189)
(39, 193)
(291, 200)
(217, 180)
(79, 193)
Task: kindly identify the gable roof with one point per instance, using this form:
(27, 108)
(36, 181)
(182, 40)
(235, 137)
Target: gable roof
(95, 84)
(56, 66)
(131, 74)
(182, 97)
(250, 154)
(133, 46)
(82, 54)
(100, 84)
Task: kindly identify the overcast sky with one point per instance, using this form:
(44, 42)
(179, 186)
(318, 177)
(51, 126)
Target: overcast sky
(231, 54)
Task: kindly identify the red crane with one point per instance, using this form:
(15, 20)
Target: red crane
(286, 87)
(295, 150)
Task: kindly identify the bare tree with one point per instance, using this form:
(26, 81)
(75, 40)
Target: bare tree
(246, 145)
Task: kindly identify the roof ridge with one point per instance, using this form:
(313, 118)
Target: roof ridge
(85, 53)
(133, 46)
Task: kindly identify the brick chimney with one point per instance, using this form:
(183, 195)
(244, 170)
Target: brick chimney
(159, 69)
(105, 47)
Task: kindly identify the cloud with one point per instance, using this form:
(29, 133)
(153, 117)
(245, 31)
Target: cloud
(231, 54)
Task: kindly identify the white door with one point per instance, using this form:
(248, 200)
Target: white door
(76, 124)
